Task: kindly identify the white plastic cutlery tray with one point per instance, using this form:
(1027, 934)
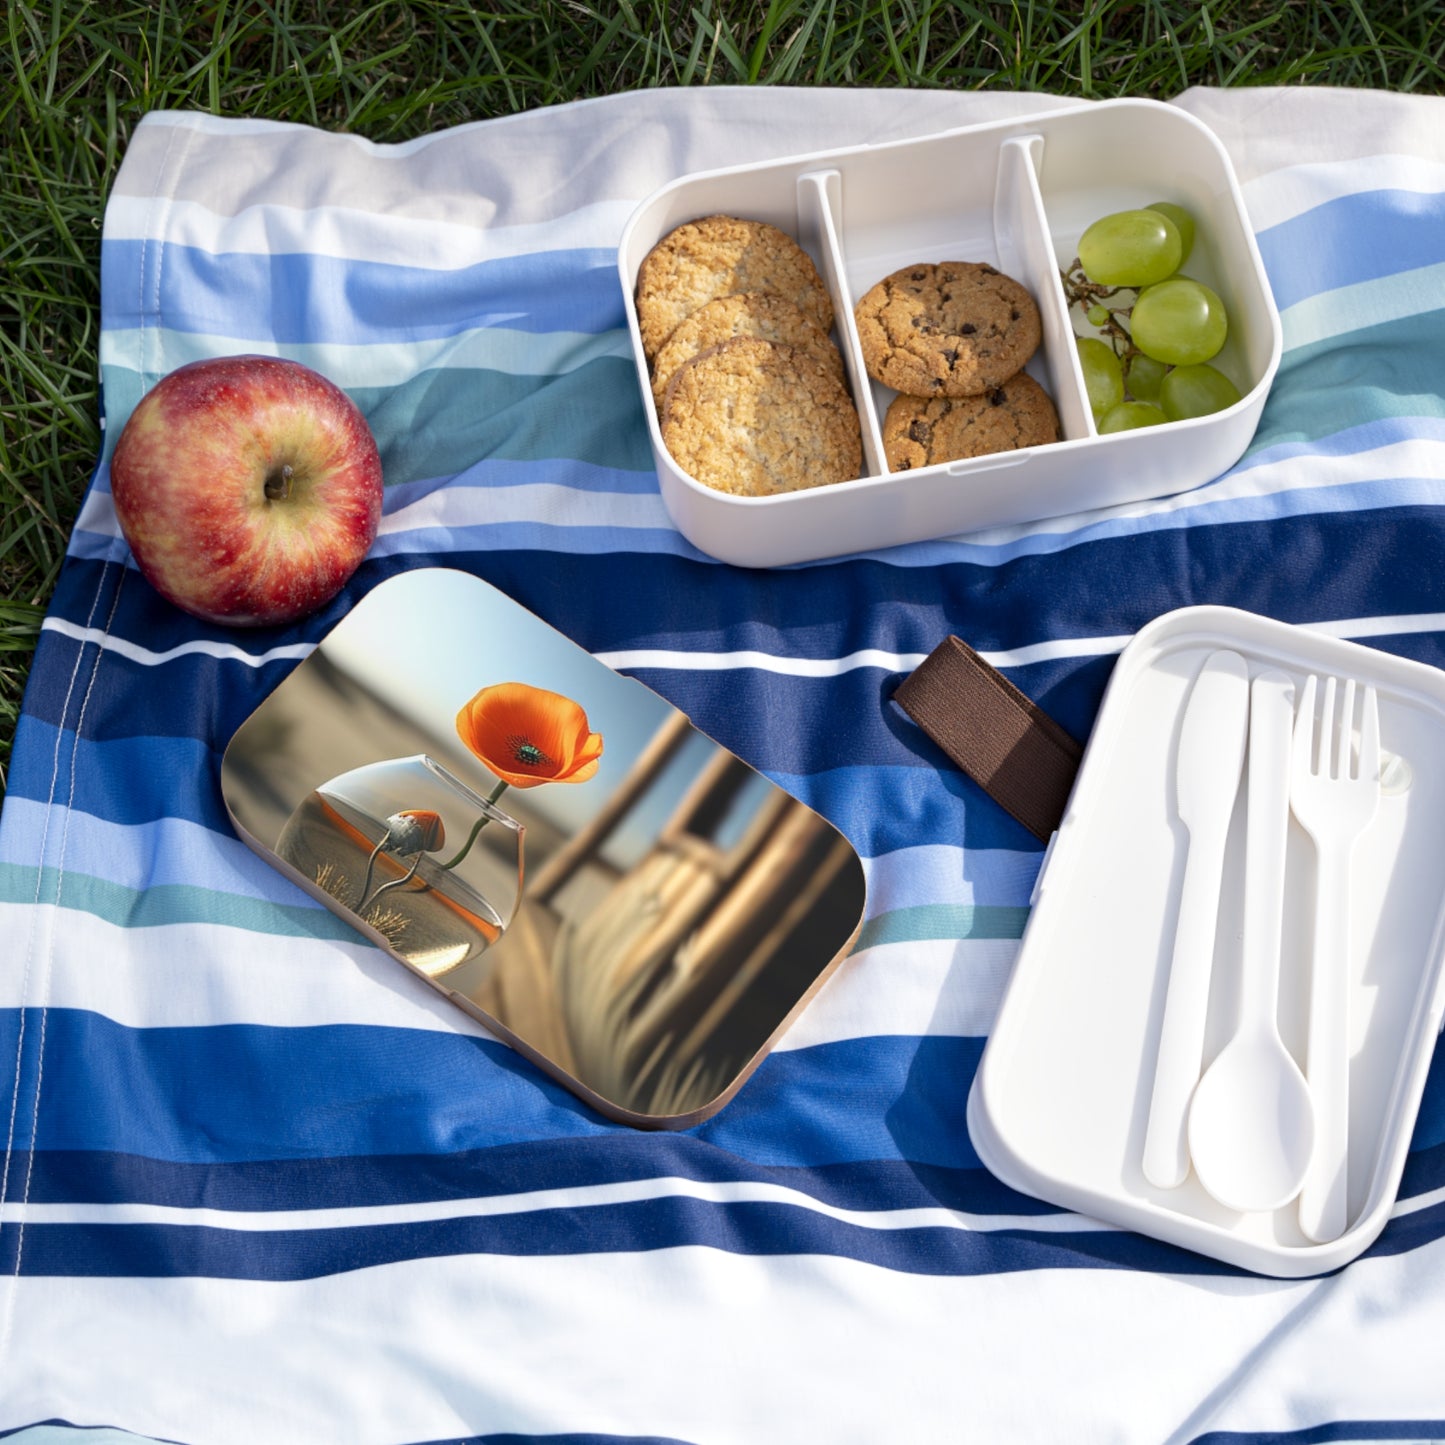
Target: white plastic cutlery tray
(1061, 1102)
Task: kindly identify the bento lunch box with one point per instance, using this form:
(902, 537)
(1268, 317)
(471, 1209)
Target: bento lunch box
(1016, 195)
(1061, 1103)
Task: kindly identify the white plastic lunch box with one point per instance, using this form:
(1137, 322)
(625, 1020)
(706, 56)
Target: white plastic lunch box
(1016, 195)
(1060, 1105)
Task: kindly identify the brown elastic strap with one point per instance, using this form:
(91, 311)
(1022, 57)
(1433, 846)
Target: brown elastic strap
(1009, 746)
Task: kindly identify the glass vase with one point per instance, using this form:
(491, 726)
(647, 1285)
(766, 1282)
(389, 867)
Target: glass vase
(415, 854)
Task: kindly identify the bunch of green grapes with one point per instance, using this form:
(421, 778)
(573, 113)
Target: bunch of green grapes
(1154, 365)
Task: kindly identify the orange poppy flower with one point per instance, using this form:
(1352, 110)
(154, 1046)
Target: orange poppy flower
(527, 735)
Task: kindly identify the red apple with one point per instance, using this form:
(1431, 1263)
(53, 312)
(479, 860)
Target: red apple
(248, 487)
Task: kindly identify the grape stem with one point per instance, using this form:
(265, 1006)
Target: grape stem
(1081, 292)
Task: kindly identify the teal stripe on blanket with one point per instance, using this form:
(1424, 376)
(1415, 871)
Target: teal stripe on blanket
(1371, 375)
(167, 903)
(175, 903)
(442, 422)
(930, 921)
(171, 852)
(140, 855)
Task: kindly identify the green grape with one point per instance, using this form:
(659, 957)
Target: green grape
(1103, 376)
(1129, 415)
(1196, 391)
(1144, 376)
(1179, 322)
(1098, 315)
(1183, 223)
(1130, 248)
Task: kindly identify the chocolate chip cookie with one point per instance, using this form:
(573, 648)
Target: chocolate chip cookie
(749, 313)
(955, 328)
(752, 417)
(717, 256)
(918, 432)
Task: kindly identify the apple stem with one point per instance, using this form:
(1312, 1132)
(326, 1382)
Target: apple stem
(278, 484)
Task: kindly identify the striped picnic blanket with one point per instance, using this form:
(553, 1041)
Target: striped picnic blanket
(258, 1184)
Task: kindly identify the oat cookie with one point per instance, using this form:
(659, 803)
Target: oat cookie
(752, 418)
(748, 313)
(716, 256)
(956, 328)
(918, 432)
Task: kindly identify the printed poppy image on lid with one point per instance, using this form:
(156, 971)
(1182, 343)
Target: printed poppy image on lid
(553, 847)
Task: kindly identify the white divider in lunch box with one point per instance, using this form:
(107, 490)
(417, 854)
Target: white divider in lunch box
(820, 200)
(1015, 195)
(1024, 247)
(1060, 1104)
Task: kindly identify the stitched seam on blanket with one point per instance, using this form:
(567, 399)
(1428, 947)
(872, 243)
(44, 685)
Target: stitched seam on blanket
(164, 190)
(47, 970)
(35, 925)
(35, 916)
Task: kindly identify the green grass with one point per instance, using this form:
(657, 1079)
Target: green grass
(75, 78)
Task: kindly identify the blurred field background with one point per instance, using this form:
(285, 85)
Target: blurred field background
(76, 77)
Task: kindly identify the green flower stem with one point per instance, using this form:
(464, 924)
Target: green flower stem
(476, 828)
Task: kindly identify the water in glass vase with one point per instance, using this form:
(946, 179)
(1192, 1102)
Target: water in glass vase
(429, 916)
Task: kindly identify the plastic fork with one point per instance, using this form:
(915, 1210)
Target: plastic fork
(1334, 794)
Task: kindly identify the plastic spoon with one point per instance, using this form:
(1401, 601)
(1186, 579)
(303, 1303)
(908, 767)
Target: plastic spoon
(1251, 1122)
(1211, 754)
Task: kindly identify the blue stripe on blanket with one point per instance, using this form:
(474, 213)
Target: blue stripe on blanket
(1350, 239)
(194, 703)
(95, 1177)
(330, 1091)
(351, 1092)
(126, 780)
(102, 1177)
(56, 1431)
(569, 1438)
(754, 1227)
(584, 475)
(562, 529)
(751, 1228)
(1376, 488)
(1336, 1432)
(1377, 565)
(559, 537)
(298, 297)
